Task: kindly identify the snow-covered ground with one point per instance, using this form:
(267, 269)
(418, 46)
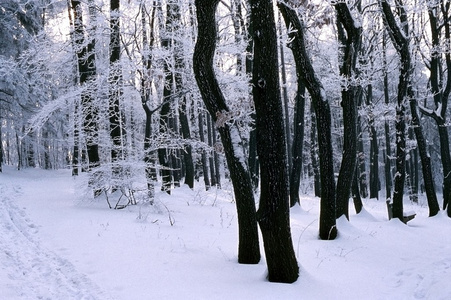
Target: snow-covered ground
(53, 245)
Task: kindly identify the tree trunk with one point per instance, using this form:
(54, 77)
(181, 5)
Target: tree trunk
(248, 245)
(405, 92)
(211, 161)
(314, 154)
(298, 144)
(76, 152)
(387, 155)
(374, 152)
(441, 94)
(286, 112)
(327, 227)
(358, 205)
(87, 72)
(187, 151)
(402, 47)
(163, 155)
(425, 158)
(351, 49)
(362, 175)
(216, 159)
(151, 173)
(253, 158)
(115, 78)
(273, 213)
(204, 154)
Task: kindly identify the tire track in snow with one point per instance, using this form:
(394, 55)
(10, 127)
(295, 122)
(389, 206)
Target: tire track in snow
(28, 269)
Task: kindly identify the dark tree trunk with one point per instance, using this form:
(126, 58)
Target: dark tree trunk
(87, 71)
(163, 155)
(405, 92)
(248, 244)
(211, 161)
(374, 152)
(327, 222)
(361, 168)
(115, 91)
(76, 152)
(174, 155)
(441, 94)
(362, 176)
(314, 154)
(151, 173)
(204, 154)
(254, 167)
(425, 158)
(183, 110)
(216, 159)
(47, 162)
(388, 152)
(298, 143)
(357, 199)
(286, 112)
(295, 165)
(187, 151)
(19, 153)
(253, 158)
(413, 168)
(351, 42)
(402, 47)
(273, 213)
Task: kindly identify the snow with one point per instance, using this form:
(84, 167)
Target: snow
(56, 245)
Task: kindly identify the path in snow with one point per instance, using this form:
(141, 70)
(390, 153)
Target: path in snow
(28, 269)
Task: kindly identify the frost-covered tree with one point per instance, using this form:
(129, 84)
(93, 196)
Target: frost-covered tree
(399, 34)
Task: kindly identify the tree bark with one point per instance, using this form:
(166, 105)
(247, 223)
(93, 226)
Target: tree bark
(273, 213)
(357, 199)
(211, 161)
(314, 154)
(298, 144)
(351, 49)
(374, 151)
(248, 244)
(204, 154)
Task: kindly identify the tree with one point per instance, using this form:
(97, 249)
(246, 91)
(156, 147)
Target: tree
(351, 44)
(115, 89)
(440, 86)
(273, 212)
(147, 41)
(327, 222)
(204, 50)
(405, 93)
(87, 70)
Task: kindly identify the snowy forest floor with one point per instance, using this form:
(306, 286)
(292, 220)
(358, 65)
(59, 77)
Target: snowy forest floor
(55, 245)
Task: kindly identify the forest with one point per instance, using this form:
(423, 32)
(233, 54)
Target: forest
(343, 100)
